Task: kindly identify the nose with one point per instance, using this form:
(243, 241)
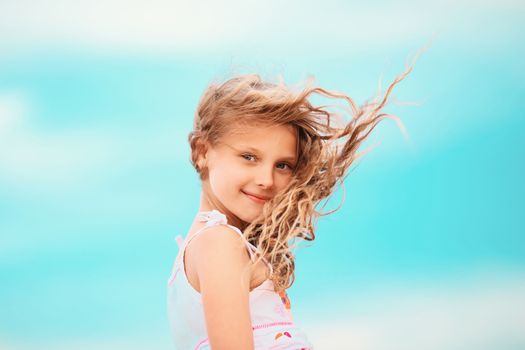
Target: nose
(264, 176)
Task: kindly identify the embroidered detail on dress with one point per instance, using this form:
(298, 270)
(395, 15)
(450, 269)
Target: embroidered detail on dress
(278, 335)
(272, 324)
(259, 326)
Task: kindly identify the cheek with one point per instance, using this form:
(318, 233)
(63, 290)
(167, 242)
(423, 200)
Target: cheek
(224, 180)
(282, 181)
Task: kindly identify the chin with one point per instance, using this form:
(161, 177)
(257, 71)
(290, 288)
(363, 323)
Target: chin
(249, 215)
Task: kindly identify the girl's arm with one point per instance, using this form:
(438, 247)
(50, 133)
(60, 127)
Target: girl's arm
(220, 257)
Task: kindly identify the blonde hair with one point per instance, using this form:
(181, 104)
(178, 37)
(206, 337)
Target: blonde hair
(323, 160)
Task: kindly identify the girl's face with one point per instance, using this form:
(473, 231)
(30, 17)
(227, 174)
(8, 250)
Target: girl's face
(245, 169)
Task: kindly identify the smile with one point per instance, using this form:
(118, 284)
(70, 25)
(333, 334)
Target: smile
(255, 199)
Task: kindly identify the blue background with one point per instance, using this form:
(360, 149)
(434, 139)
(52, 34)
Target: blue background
(96, 101)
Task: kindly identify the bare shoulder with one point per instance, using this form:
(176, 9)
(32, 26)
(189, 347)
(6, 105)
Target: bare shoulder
(216, 251)
(219, 258)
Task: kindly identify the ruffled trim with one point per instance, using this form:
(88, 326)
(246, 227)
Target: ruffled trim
(212, 217)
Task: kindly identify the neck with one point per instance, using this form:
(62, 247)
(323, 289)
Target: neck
(209, 202)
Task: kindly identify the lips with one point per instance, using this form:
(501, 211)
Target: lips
(256, 196)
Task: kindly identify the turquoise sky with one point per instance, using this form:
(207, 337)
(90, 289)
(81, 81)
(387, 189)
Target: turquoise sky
(96, 101)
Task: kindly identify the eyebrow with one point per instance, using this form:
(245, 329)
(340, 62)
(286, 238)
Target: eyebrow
(255, 150)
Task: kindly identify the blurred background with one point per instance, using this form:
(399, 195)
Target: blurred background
(97, 99)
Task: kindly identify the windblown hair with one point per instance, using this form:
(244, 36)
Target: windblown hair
(326, 147)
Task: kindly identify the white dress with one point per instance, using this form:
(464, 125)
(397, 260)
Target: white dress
(272, 324)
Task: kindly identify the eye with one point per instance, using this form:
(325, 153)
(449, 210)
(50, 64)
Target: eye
(246, 156)
(251, 157)
(288, 165)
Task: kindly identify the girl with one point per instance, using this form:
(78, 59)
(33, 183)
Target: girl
(265, 157)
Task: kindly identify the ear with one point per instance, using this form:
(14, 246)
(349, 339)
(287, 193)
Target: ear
(201, 163)
(202, 151)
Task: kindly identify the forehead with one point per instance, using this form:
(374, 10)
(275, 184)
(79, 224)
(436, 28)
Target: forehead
(280, 139)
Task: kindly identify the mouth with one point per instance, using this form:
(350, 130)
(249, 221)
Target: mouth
(255, 198)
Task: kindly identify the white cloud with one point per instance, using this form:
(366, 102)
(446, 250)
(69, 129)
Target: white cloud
(203, 26)
(12, 110)
(474, 314)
